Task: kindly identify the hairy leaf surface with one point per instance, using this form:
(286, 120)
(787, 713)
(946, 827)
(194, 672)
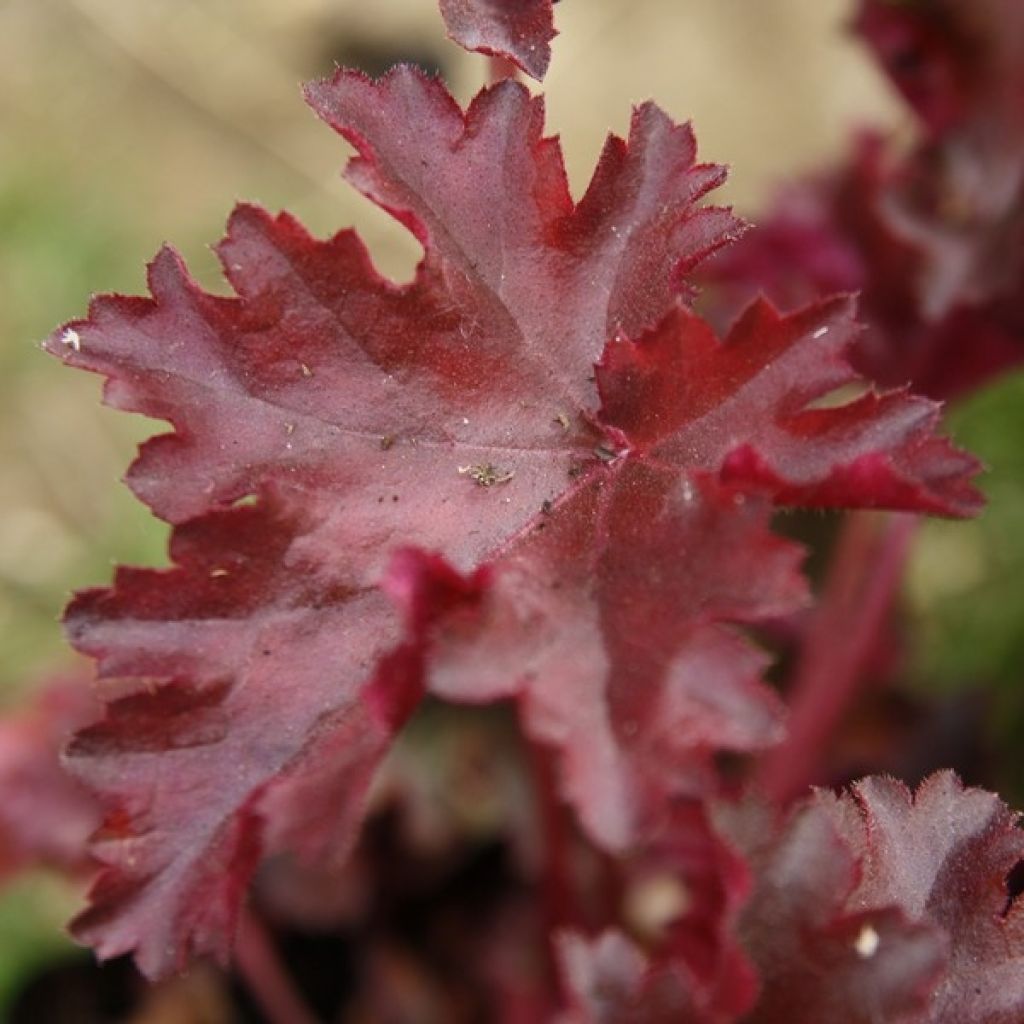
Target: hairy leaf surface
(942, 855)
(589, 543)
(520, 30)
(876, 905)
(819, 955)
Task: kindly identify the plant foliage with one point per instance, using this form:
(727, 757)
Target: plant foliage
(535, 475)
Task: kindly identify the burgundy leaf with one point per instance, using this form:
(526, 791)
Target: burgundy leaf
(934, 238)
(344, 406)
(873, 906)
(606, 622)
(609, 980)
(953, 62)
(685, 891)
(46, 816)
(959, 198)
(325, 419)
(488, 196)
(820, 955)
(236, 668)
(937, 310)
(742, 407)
(520, 30)
(942, 856)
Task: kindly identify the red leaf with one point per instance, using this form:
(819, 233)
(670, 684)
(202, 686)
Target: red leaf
(876, 905)
(347, 405)
(932, 238)
(741, 407)
(959, 200)
(939, 299)
(610, 980)
(254, 686)
(247, 671)
(820, 954)
(942, 856)
(46, 817)
(520, 30)
(487, 195)
(952, 62)
(685, 893)
(617, 654)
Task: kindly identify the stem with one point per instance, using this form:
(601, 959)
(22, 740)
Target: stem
(559, 904)
(268, 980)
(557, 891)
(863, 581)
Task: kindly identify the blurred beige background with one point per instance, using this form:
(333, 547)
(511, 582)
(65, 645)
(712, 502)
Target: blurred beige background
(125, 123)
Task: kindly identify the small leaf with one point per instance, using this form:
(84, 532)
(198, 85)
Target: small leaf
(942, 856)
(820, 955)
(519, 30)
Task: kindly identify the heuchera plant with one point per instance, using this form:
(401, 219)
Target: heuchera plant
(535, 476)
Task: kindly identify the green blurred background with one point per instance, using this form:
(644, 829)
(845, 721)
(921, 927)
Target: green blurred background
(127, 123)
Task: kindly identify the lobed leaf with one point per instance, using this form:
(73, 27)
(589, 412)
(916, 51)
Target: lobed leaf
(584, 546)
(606, 623)
(942, 855)
(819, 955)
(877, 904)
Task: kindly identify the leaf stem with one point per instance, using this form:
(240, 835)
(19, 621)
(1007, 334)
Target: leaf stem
(259, 963)
(863, 580)
(556, 838)
(557, 893)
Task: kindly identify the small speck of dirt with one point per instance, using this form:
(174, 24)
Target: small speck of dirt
(486, 474)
